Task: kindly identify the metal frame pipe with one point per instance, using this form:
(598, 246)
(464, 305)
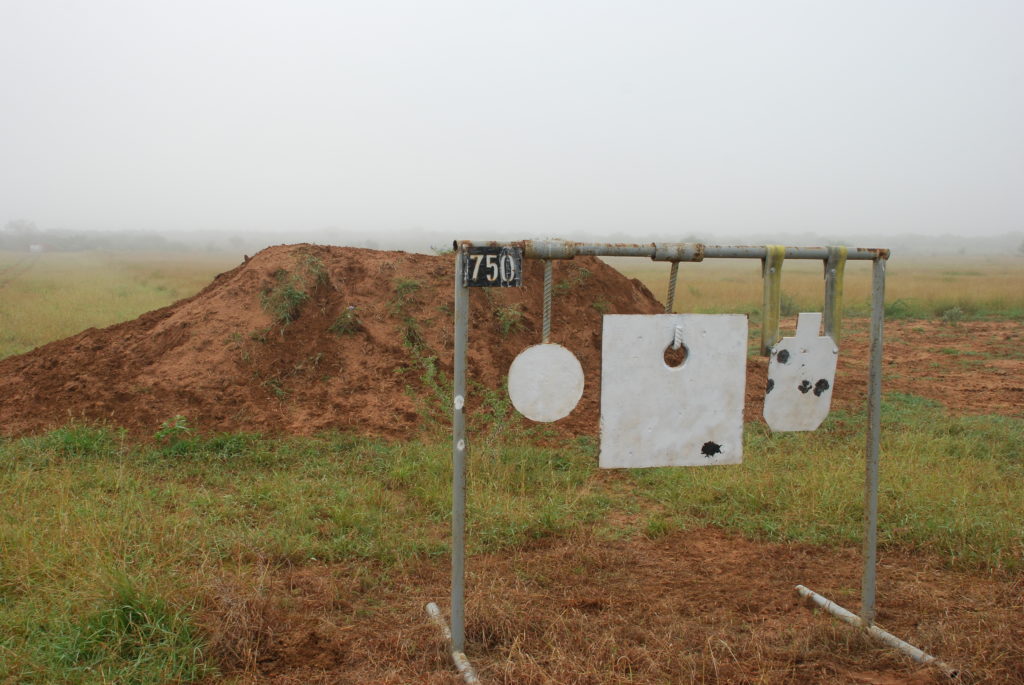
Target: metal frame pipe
(674, 252)
(734, 252)
(459, 452)
(874, 432)
(682, 252)
(678, 252)
(462, 664)
(874, 631)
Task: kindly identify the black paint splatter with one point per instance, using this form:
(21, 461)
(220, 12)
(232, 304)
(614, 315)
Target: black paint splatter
(771, 385)
(710, 449)
(820, 387)
(805, 385)
(783, 356)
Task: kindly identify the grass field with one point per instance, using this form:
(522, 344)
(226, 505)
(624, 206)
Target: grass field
(915, 288)
(110, 551)
(49, 296)
(109, 547)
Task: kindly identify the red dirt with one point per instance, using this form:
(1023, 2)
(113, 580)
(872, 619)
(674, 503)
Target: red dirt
(222, 362)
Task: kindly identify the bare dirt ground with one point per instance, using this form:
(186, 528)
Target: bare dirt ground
(973, 367)
(702, 606)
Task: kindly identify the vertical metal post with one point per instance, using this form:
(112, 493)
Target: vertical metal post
(835, 267)
(870, 552)
(772, 301)
(673, 277)
(459, 450)
(548, 278)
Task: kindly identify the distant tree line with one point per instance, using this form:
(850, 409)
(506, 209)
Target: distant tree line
(20, 235)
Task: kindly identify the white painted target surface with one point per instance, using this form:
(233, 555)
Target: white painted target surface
(653, 414)
(801, 373)
(545, 382)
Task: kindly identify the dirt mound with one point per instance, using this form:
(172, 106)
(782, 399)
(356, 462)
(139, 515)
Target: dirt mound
(304, 338)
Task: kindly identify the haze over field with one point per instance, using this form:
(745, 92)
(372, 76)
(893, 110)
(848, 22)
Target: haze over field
(406, 123)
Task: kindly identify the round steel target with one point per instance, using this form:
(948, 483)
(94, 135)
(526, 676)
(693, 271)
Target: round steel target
(545, 382)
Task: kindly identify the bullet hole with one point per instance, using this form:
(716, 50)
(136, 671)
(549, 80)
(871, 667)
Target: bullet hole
(804, 386)
(771, 385)
(675, 358)
(783, 356)
(820, 387)
(710, 449)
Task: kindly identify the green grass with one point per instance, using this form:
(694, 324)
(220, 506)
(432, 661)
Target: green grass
(346, 323)
(127, 637)
(949, 485)
(285, 297)
(85, 505)
(510, 318)
(405, 293)
(109, 548)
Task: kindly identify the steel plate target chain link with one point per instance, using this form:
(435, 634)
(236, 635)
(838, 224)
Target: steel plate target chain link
(548, 286)
(772, 258)
(673, 276)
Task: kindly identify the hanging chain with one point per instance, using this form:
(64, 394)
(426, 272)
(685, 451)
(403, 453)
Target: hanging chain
(548, 277)
(677, 338)
(673, 276)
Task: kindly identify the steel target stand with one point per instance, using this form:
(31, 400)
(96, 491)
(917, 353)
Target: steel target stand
(772, 257)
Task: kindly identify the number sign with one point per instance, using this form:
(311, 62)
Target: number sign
(492, 267)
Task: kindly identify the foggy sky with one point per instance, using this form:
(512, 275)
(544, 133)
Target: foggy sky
(536, 118)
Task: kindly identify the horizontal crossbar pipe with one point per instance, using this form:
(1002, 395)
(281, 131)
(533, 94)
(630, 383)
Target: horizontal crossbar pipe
(876, 632)
(820, 253)
(669, 252)
(462, 664)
